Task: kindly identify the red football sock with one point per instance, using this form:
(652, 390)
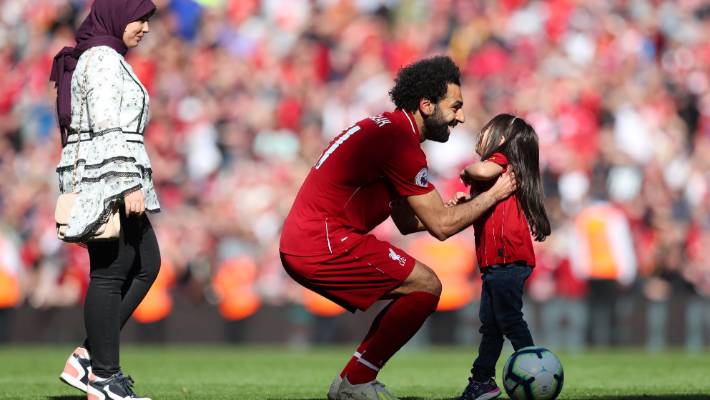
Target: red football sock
(392, 328)
(373, 328)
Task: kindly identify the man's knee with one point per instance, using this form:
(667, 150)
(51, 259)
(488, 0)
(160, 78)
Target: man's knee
(421, 279)
(426, 280)
(434, 284)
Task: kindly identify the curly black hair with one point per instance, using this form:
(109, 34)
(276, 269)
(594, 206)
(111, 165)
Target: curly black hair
(424, 79)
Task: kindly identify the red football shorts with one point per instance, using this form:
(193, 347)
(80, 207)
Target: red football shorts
(356, 277)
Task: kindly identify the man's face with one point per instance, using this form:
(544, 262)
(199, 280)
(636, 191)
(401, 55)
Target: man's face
(447, 114)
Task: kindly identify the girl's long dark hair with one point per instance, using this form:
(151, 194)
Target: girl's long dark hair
(521, 148)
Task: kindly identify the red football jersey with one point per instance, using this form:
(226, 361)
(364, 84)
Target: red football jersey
(502, 233)
(348, 191)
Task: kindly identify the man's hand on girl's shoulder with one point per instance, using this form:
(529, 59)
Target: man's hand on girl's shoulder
(505, 185)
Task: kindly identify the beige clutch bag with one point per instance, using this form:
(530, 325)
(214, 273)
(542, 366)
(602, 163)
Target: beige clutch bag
(108, 231)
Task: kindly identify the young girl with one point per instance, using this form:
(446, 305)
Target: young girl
(503, 244)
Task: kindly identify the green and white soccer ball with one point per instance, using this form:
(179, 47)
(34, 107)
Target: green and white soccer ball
(533, 373)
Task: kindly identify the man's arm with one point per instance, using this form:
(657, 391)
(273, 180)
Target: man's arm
(404, 217)
(443, 222)
(481, 171)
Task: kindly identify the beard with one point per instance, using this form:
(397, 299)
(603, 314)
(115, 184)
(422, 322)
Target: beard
(436, 126)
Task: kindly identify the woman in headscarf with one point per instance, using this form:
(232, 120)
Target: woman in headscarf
(102, 110)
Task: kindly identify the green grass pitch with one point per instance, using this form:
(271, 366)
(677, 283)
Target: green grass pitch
(190, 372)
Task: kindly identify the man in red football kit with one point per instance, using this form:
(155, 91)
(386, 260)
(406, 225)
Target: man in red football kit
(372, 170)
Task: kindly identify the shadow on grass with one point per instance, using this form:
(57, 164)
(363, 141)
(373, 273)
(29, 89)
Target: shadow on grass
(645, 397)
(66, 397)
(631, 397)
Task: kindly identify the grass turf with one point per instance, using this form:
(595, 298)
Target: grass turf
(189, 372)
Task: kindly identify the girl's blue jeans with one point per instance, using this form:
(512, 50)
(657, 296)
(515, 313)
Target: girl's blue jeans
(501, 316)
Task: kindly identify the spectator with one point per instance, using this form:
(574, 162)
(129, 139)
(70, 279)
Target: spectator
(245, 94)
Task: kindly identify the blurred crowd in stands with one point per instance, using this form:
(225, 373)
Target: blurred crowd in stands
(245, 94)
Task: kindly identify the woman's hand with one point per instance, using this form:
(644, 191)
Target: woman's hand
(135, 202)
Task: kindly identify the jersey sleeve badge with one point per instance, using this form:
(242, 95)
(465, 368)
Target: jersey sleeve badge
(422, 178)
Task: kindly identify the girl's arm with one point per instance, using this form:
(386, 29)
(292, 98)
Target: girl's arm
(481, 171)
(404, 218)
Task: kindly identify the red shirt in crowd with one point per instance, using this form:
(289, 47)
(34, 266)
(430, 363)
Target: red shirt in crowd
(502, 233)
(348, 191)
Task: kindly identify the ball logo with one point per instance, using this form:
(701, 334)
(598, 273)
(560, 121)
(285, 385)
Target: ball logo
(422, 178)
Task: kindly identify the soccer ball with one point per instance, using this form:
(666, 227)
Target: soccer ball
(533, 373)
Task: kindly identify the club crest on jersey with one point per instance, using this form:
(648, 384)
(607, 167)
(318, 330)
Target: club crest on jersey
(422, 178)
(380, 120)
(396, 257)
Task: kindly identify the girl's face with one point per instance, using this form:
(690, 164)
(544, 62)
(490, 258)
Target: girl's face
(482, 144)
(482, 140)
(134, 32)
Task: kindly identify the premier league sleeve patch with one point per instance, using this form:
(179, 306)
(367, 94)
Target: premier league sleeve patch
(422, 178)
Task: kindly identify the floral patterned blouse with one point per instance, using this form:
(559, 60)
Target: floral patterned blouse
(112, 160)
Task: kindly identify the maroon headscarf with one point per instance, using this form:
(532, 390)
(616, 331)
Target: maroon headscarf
(104, 26)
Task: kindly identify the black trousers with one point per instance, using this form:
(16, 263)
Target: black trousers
(501, 314)
(122, 271)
